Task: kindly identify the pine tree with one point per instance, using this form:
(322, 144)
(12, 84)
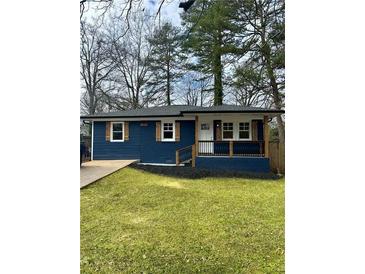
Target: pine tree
(165, 59)
(210, 34)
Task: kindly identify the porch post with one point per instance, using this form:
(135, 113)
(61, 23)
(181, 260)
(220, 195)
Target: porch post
(266, 135)
(196, 134)
(231, 148)
(193, 155)
(177, 158)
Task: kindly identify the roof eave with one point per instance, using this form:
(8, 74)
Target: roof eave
(88, 117)
(237, 111)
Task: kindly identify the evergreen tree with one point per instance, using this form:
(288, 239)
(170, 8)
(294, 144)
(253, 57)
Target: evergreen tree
(210, 35)
(165, 59)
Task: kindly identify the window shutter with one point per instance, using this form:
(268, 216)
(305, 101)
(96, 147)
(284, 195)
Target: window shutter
(218, 131)
(126, 131)
(177, 131)
(107, 132)
(254, 130)
(158, 131)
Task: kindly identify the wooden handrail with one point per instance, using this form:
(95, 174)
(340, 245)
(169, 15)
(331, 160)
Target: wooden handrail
(184, 148)
(193, 154)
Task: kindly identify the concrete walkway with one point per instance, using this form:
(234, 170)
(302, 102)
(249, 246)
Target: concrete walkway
(95, 170)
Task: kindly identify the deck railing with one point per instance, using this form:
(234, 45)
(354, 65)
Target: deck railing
(231, 148)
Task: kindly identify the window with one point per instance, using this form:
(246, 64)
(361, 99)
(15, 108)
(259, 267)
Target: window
(168, 132)
(117, 132)
(244, 130)
(227, 130)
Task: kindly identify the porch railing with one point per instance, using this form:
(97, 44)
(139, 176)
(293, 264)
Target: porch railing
(186, 154)
(231, 148)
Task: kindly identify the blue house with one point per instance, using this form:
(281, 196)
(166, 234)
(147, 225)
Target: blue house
(219, 137)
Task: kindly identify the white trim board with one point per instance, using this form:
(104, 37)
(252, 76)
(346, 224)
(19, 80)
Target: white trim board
(92, 141)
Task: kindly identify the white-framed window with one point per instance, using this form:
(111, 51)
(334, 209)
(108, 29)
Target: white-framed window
(244, 130)
(168, 131)
(117, 132)
(227, 131)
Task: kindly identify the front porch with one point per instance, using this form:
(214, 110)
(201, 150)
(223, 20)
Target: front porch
(240, 145)
(245, 156)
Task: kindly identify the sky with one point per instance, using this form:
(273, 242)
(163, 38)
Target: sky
(170, 10)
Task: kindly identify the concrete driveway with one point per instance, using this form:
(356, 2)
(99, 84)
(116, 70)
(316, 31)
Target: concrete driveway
(95, 170)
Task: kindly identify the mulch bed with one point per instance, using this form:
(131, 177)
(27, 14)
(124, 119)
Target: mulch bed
(196, 173)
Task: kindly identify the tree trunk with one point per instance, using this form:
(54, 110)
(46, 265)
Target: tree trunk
(217, 72)
(168, 100)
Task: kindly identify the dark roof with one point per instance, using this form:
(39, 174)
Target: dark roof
(179, 110)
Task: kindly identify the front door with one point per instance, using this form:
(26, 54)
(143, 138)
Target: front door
(206, 134)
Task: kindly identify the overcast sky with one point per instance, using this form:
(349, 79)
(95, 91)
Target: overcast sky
(170, 10)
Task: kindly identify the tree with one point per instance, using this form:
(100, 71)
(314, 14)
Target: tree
(96, 67)
(165, 59)
(211, 35)
(262, 23)
(249, 86)
(130, 53)
(193, 89)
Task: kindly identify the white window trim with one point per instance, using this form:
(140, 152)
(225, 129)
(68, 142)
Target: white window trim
(162, 131)
(249, 131)
(228, 139)
(111, 131)
(236, 130)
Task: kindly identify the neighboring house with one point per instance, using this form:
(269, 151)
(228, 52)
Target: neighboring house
(219, 137)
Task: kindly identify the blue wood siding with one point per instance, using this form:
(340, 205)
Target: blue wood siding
(104, 150)
(142, 143)
(164, 152)
(244, 164)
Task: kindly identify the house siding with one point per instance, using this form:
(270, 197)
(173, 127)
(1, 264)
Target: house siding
(105, 150)
(244, 164)
(142, 143)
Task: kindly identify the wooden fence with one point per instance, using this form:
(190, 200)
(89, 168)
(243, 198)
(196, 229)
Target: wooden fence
(277, 157)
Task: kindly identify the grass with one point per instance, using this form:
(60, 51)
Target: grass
(137, 222)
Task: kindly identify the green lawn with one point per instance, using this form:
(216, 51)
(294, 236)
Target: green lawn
(137, 222)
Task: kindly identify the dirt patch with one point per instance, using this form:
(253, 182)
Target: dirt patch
(172, 184)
